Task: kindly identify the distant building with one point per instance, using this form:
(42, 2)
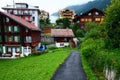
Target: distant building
(17, 36)
(67, 13)
(62, 37)
(93, 15)
(44, 15)
(25, 11)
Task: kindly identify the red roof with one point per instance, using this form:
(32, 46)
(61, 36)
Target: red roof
(21, 21)
(62, 33)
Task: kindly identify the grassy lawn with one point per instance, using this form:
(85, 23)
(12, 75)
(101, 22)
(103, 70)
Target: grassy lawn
(33, 67)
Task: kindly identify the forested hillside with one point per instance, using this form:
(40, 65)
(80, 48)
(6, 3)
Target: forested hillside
(99, 4)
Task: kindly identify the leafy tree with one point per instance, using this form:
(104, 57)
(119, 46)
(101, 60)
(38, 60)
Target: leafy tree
(90, 25)
(64, 21)
(74, 28)
(47, 21)
(79, 33)
(113, 24)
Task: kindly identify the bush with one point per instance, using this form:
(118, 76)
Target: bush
(53, 48)
(39, 52)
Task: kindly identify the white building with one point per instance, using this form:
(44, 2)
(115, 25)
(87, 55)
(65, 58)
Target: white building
(25, 11)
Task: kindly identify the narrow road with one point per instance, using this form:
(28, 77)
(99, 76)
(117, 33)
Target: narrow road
(71, 69)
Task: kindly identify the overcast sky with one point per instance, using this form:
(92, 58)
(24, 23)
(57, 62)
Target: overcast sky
(50, 6)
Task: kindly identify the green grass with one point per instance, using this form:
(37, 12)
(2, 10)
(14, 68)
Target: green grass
(90, 75)
(33, 67)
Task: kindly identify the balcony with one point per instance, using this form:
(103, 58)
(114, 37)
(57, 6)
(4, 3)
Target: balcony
(12, 43)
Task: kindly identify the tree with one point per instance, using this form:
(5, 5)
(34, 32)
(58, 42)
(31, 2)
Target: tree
(64, 21)
(74, 28)
(113, 24)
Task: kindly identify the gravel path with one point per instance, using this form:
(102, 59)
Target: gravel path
(71, 69)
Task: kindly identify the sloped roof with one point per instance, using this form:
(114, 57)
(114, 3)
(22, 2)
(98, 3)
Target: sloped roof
(21, 21)
(92, 10)
(62, 33)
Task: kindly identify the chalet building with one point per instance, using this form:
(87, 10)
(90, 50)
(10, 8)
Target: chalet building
(93, 15)
(25, 11)
(62, 37)
(17, 35)
(44, 15)
(67, 13)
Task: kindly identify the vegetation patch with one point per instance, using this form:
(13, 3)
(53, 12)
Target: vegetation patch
(33, 67)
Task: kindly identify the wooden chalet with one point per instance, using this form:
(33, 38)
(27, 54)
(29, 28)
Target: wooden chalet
(17, 35)
(62, 37)
(93, 15)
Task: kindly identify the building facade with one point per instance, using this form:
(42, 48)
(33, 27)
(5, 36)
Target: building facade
(44, 15)
(25, 11)
(93, 15)
(67, 13)
(17, 35)
(62, 37)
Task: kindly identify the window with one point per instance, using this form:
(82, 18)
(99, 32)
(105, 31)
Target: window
(26, 30)
(18, 49)
(89, 19)
(10, 38)
(86, 19)
(25, 12)
(33, 12)
(9, 50)
(16, 38)
(28, 39)
(96, 13)
(15, 11)
(33, 18)
(15, 28)
(26, 18)
(82, 19)
(9, 28)
(102, 19)
(97, 19)
(89, 14)
(7, 19)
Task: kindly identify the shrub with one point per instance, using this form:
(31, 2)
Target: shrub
(53, 48)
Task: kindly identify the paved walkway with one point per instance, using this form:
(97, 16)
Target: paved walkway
(71, 69)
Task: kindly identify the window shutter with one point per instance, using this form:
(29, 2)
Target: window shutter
(6, 38)
(5, 28)
(18, 28)
(0, 39)
(18, 38)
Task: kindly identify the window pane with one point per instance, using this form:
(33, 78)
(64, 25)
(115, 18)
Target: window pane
(10, 28)
(9, 50)
(15, 28)
(96, 13)
(97, 19)
(18, 49)
(16, 38)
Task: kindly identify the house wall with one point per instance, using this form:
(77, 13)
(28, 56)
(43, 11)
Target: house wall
(62, 44)
(62, 41)
(93, 15)
(30, 15)
(14, 36)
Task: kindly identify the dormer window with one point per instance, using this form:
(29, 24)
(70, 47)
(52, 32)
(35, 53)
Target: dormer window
(89, 14)
(26, 30)
(7, 19)
(96, 13)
